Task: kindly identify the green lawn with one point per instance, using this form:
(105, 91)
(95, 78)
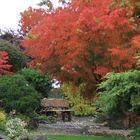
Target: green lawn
(80, 137)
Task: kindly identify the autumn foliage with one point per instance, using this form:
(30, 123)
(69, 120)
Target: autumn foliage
(4, 67)
(84, 40)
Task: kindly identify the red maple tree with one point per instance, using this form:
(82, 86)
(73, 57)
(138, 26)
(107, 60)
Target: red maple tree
(83, 40)
(4, 67)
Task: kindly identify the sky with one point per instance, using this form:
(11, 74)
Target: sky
(10, 12)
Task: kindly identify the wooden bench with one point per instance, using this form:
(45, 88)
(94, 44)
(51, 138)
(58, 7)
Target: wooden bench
(56, 106)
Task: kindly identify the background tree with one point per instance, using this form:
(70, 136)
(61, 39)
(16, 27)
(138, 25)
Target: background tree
(16, 57)
(84, 40)
(11, 36)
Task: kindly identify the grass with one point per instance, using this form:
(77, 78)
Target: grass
(82, 137)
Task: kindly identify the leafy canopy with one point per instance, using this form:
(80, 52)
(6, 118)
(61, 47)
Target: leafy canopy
(84, 40)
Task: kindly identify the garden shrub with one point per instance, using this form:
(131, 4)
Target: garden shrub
(119, 94)
(16, 129)
(16, 93)
(136, 133)
(79, 105)
(30, 119)
(2, 120)
(46, 119)
(42, 83)
(16, 57)
(34, 119)
(2, 116)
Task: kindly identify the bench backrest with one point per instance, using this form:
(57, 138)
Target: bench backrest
(54, 103)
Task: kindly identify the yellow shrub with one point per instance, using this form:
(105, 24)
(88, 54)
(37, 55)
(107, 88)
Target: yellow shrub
(2, 116)
(79, 105)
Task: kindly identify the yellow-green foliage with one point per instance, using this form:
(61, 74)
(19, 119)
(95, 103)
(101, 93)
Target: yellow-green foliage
(79, 105)
(2, 120)
(2, 116)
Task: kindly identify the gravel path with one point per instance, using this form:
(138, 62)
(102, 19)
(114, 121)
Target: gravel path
(79, 125)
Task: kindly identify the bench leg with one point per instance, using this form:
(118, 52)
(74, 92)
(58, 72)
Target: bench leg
(63, 116)
(69, 116)
(66, 114)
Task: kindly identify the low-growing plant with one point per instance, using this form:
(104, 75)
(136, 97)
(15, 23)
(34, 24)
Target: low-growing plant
(30, 119)
(23, 117)
(2, 116)
(135, 135)
(2, 120)
(79, 105)
(16, 129)
(44, 118)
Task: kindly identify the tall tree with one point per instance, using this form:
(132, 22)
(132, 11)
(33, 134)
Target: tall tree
(84, 40)
(10, 43)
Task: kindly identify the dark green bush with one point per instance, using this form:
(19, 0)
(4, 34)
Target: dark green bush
(16, 57)
(42, 83)
(119, 94)
(16, 93)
